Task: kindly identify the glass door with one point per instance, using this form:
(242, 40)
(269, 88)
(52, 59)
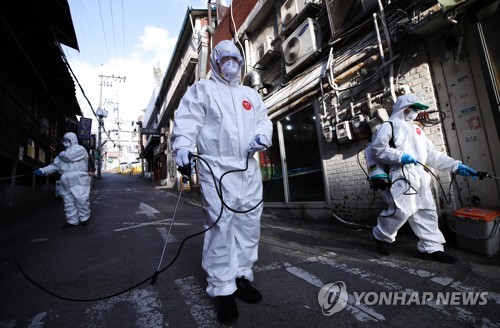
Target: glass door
(297, 170)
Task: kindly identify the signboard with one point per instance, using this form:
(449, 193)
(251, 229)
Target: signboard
(84, 128)
(149, 131)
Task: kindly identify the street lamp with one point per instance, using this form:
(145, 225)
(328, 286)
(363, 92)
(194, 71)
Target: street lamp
(101, 113)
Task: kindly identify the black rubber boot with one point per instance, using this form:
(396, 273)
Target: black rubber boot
(227, 310)
(382, 246)
(69, 225)
(438, 256)
(246, 292)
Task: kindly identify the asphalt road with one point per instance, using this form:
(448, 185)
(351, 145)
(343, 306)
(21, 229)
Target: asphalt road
(301, 265)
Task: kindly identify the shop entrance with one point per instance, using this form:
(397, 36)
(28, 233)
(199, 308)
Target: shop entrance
(298, 175)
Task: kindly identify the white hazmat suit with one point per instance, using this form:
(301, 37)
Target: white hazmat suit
(416, 204)
(218, 118)
(72, 164)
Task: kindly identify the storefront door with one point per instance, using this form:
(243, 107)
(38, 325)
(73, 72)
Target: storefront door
(297, 171)
(463, 90)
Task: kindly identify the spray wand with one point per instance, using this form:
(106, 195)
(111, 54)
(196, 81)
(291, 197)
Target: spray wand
(186, 174)
(15, 176)
(482, 175)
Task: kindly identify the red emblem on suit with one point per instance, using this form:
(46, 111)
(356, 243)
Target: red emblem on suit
(246, 104)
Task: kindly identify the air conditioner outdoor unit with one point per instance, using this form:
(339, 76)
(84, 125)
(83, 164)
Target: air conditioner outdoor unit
(264, 51)
(343, 14)
(292, 8)
(301, 44)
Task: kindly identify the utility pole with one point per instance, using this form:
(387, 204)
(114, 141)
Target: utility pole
(118, 133)
(101, 113)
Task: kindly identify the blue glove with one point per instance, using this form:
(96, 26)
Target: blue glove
(465, 171)
(182, 157)
(408, 159)
(258, 143)
(38, 172)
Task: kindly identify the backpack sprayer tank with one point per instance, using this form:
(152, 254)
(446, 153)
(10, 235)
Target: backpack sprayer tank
(377, 175)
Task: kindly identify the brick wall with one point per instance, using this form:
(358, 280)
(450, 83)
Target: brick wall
(350, 194)
(225, 29)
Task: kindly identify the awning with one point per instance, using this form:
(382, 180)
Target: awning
(148, 150)
(297, 88)
(31, 31)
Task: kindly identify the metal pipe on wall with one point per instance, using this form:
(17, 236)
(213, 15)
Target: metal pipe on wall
(389, 46)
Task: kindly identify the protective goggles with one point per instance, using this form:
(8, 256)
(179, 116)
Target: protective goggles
(225, 59)
(65, 140)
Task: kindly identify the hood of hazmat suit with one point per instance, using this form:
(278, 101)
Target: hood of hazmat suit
(73, 159)
(71, 139)
(226, 49)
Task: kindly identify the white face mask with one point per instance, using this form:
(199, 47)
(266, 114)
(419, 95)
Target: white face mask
(411, 116)
(229, 70)
(66, 143)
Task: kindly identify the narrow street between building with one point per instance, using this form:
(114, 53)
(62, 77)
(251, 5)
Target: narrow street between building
(311, 273)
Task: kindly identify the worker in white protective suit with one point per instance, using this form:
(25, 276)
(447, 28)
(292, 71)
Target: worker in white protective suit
(410, 197)
(72, 164)
(223, 122)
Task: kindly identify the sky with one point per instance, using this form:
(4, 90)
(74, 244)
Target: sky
(123, 40)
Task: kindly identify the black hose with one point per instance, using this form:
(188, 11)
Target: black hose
(154, 276)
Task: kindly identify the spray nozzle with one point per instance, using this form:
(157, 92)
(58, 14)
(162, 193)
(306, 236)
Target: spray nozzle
(482, 175)
(155, 277)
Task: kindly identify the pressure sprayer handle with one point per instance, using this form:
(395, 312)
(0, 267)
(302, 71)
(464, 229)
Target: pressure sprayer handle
(185, 172)
(155, 276)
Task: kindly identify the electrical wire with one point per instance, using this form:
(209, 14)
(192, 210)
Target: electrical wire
(101, 122)
(238, 40)
(123, 29)
(113, 26)
(103, 29)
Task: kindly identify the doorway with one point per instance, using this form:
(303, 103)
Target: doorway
(297, 169)
(463, 90)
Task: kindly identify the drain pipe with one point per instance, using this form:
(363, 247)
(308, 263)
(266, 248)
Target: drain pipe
(389, 46)
(379, 39)
(460, 48)
(210, 29)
